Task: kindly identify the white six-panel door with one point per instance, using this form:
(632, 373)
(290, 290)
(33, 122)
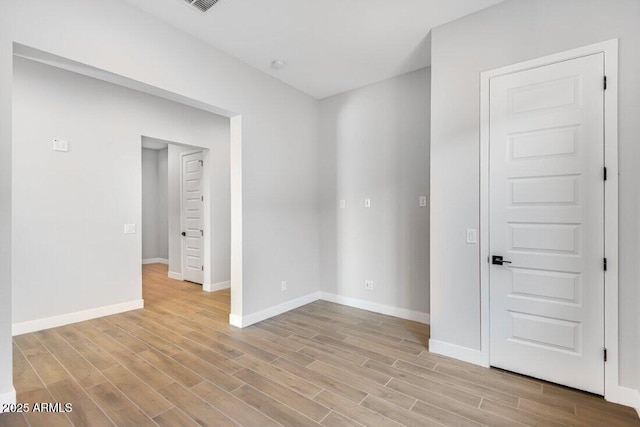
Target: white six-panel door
(192, 218)
(547, 220)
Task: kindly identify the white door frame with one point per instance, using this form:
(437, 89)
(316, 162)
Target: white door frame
(206, 217)
(613, 391)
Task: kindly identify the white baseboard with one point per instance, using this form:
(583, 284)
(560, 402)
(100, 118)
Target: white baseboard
(389, 310)
(174, 275)
(8, 398)
(213, 287)
(235, 320)
(155, 261)
(244, 321)
(78, 316)
(624, 396)
(457, 352)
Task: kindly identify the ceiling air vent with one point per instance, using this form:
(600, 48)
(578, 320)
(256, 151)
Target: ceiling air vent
(202, 5)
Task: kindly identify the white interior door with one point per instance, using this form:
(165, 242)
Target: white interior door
(547, 220)
(192, 218)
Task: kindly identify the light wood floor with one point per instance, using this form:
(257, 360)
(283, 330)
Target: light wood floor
(177, 362)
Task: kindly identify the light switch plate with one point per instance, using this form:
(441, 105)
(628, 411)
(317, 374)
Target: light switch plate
(129, 229)
(60, 145)
(472, 236)
(367, 203)
(343, 204)
(423, 201)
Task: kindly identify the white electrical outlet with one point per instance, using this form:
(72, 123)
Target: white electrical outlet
(472, 236)
(283, 286)
(423, 201)
(368, 285)
(343, 204)
(129, 229)
(367, 203)
(60, 145)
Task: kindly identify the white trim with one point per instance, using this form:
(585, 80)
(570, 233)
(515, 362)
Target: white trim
(213, 287)
(457, 352)
(235, 320)
(155, 261)
(8, 398)
(610, 50)
(624, 396)
(175, 276)
(244, 321)
(78, 316)
(375, 307)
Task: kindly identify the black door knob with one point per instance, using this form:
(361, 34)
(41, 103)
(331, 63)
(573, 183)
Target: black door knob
(498, 260)
(184, 233)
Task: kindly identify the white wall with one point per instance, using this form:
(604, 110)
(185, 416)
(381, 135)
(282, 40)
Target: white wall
(154, 213)
(375, 144)
(279, 134)
(69, 208)
(508, 33)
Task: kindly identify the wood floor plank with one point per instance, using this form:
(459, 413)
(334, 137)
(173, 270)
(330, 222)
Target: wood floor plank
(175, 418)
(282, 376)
(144, 396)
(363, 384)
(38, 418)
(300, 403)
(84, 411)
(79, 368)
(98, 357)
(196, 408)
(156, 342)
(232, 407)
(588, 400)
(23, 373)
(364, 350)
(347, 355)
(354, 411)
(322, 381)
(208, 371)
(146, 371)
(336, 420)
(13, 419)
(172, 368)
(49, 370)
(518, 415)
(120, 409)
(417, 375)
(391, 411)
(338, 362)
(272, 408)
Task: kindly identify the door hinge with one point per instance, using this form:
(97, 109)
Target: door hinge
(605, 83)
(605, 354)
(203, 268)
(202, 161)
(605, 173)
(605, 264)
(202, 233)
(202, 197)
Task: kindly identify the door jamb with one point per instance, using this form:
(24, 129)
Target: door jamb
(612, 390)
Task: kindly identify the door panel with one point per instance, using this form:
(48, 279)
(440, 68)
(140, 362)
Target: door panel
(192, 218)
(547, 218)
